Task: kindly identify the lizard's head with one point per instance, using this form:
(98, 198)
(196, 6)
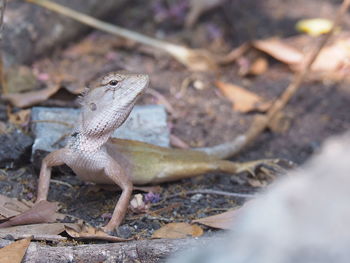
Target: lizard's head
(107, 104)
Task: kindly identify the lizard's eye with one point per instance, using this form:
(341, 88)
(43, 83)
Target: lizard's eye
(113, 82)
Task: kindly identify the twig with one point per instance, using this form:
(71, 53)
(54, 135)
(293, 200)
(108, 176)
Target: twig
(60, 139)
(261, 122)
(162, 100)
(212, 192)
(234, 54)
(194, 59)
(54, 122)
(177, 142)
(160, 218)
(60, 183)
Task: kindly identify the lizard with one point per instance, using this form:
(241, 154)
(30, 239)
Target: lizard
(94, 156)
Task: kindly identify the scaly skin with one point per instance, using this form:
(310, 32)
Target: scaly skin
(150, 164)
(96, 158)
(104, 108)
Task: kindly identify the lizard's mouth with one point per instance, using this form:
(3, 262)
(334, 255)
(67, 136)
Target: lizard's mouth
(143, 91)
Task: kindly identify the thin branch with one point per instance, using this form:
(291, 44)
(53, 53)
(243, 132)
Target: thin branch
(61, 183)
(261, 122)
(158, 218)
(193, 59)
(280, 103)
(212, 192)
(235, 54)
(70, 126)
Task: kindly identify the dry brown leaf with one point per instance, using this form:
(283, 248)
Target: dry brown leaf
(178, 230)
(89, 232)
(234, 54)
(27, 99)
(20, 79)
(38, 231)
(20, 117)
(258, 67)
(10, 207)
(279, 50)
(222, 221)
(242, 99)
(334, 57)
(42, 212)
(332, 62)
(14, 252)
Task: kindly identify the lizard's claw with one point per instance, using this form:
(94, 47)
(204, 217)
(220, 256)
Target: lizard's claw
(108, 230)
(268, 167)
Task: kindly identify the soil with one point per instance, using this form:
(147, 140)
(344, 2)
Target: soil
(202, 116)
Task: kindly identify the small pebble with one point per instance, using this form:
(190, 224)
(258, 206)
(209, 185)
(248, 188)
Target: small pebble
(195, 198)
(9, 237)
(124, 231)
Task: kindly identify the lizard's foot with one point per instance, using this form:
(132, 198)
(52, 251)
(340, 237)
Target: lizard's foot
(268, 167)
(109, 228)
(38, 200)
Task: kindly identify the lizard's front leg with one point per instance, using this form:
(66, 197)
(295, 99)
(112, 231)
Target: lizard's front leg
(116, 173)
(52, 159)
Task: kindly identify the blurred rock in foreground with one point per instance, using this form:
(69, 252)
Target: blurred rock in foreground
(302, 218)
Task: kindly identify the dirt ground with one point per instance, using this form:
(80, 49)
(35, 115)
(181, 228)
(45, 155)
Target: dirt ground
(202, 116)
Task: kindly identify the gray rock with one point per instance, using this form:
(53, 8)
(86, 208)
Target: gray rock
(50, 125)
(124, 231)
(14, 148)
(31, 31)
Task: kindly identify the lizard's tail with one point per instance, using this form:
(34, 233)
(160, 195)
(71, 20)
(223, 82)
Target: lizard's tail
(188, 170)
(225, 150)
